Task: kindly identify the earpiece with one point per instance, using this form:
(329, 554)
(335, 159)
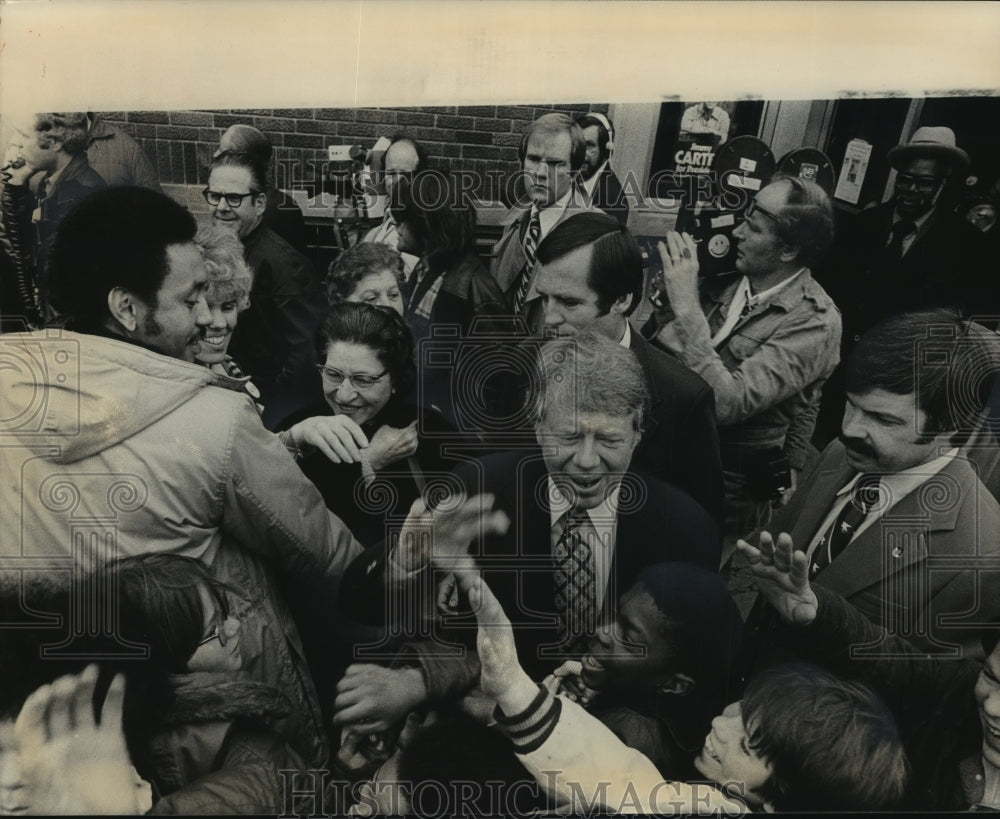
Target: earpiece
(607, 127)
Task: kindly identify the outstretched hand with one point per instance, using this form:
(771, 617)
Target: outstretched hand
(71, 764)
(446, 532)
(782, 576)
(501, 676)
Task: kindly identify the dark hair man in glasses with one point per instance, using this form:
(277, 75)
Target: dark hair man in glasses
(274, 339)
(764, 340)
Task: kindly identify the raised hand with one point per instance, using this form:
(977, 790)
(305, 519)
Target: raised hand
(336, 436)
(782, 576)
(679, 257)
(501, 676)
(446, 532)
(71, 764)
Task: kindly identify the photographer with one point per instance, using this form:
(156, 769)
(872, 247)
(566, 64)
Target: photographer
(765, 343)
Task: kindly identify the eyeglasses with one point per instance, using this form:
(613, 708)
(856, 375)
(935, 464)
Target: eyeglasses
(921, 183)
(753, 208)
(222, 614)
(361, 381)
(234, 200)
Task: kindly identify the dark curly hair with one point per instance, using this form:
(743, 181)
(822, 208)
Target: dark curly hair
(381, 329)
(439, 215)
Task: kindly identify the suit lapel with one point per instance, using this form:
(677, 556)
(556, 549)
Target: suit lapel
(901, 538)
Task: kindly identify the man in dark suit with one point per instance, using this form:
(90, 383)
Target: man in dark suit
(590, 276)
(892, 517)
(551, 152)
(910, 253)
(581, 529)
(597, 180)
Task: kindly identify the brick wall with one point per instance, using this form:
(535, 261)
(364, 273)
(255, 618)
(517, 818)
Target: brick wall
(476, 138)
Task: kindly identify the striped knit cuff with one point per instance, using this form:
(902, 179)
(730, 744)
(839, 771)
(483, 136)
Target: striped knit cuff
(529, 729)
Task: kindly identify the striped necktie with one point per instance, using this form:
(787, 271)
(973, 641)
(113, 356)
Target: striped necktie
(530, 248)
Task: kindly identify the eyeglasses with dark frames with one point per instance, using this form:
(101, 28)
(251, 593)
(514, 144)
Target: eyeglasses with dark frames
(361, 381)
(921, 183)
(218, 633)
(234, 200)
(753, 208)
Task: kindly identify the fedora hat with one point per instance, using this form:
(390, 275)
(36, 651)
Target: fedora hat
(934, 141)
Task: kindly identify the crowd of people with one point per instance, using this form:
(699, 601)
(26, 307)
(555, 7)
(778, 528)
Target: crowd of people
(442, 534)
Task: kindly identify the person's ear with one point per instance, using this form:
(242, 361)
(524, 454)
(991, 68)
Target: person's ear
(622, 304)
(768, 807)
(122, 306)
(260, 203)
(677, 684)
(789, 253)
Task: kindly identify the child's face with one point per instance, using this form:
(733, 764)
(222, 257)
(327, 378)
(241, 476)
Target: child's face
(220, 647)
(633, 655)
(728, 759)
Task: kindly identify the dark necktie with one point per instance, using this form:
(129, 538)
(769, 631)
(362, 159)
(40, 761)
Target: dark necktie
(864, 498)
(900, 232)
(530, 247)
(574, 579)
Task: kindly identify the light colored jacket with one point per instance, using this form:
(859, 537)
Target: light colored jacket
(108, 449)
(768, 374)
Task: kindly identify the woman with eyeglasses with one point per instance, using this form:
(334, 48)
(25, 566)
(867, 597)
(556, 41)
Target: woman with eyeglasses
(361, 449)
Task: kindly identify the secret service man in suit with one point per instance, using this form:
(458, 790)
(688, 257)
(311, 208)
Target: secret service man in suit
(590, 277)
(552, 153)
(597, 180)
(581, 528)
(892, 517)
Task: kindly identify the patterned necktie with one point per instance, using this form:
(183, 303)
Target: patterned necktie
(864, 498)
(574, 579)
(530, 247)
(900, 231)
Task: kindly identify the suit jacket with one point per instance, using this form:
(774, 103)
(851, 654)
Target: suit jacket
(609, 196)
(274, 340)
(680, 444)
(913, 571)
(655, 523)
(508, 259)
(945, 266)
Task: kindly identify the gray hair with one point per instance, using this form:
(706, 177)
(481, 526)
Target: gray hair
(593, 373)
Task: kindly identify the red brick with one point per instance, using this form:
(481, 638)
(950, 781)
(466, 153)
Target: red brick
(376, 115)
(480, 152)
(305, 141)
(148, 116)
(176, 132)
(190, 118)
(477, 110)
(516, 112)
(414, 118)
(358, 130)
(349, 114)
(508, 140)
(317, 126)
(273, 123)
(446, 121)
(474, 137)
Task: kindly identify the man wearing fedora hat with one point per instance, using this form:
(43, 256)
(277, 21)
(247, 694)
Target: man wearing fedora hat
(909, 253)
